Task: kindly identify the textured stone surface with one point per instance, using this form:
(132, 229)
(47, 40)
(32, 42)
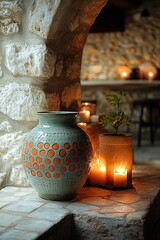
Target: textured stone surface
(22, 101)
(103, 53)
(5, 126)
(39, 68)
(11, 169)
(97, 213)
(10, 17)
(30, 60)
(26, 216)
(41, 16)
(127, 212)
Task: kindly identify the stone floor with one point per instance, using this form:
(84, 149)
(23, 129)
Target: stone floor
(95, 213)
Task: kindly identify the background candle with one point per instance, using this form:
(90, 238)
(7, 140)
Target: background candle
(124, 75)
(150, 76)
(84, 116)
(89, 107)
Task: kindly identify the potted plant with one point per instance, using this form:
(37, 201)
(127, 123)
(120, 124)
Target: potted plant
(115, 147)
(115, 120)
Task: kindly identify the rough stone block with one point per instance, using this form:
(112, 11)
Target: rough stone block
(11, 169)
(41, 16)
(30, 60)
(10, 17)
(22, 101)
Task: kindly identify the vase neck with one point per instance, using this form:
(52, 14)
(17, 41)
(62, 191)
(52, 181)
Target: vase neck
(60, 117)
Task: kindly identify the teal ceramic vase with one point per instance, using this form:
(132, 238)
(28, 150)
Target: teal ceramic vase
(57, 155)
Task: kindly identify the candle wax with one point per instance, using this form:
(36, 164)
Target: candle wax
(97, 176)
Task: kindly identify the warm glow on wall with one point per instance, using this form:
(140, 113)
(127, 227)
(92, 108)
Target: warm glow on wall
(148, 70)
(123, 71)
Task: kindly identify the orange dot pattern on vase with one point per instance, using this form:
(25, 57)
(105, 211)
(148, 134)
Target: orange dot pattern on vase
(57, 161)
(46, 145)
(47, 161)
(52, 160)
(34, 151)
(38, 159)
(40, 145)
(42, 152)
(67, 146)
(31, 158)
(55, 146)
(50, 153)
(51, 168)
(31, 144)
(39, 174)
(62, 153)
(42, 166)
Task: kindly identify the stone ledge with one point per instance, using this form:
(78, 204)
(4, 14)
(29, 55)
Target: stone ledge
(23, 215)
(98, 213)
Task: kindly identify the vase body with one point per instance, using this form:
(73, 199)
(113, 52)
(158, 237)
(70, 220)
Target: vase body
(115, 151)
(57, 155)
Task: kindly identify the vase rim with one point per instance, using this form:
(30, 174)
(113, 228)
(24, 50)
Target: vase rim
(57, 113)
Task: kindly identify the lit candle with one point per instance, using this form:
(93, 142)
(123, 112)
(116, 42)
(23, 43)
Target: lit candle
(84, 116)
(89, 107)
(120, 177)
(97, 174)
(124, 75)
(150, 76)
(86, 103)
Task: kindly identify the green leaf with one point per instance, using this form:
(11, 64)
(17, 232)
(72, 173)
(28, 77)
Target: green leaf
(118, 118)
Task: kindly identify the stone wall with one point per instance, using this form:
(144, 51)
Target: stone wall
(139, 43)
(41, 43)
(26, 63)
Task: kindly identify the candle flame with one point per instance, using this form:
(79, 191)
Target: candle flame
(150, 74)
(103, 169)
(87, 112)
(124, 74)
(120, 171)
(86, 103)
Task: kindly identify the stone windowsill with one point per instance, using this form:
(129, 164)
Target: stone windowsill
(95, 213)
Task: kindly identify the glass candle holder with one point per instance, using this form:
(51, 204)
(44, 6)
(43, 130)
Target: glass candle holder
(84, 116)
(117, 153)
(91, 107)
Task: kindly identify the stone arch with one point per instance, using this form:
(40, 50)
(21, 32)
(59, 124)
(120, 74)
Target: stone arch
(66, 37)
